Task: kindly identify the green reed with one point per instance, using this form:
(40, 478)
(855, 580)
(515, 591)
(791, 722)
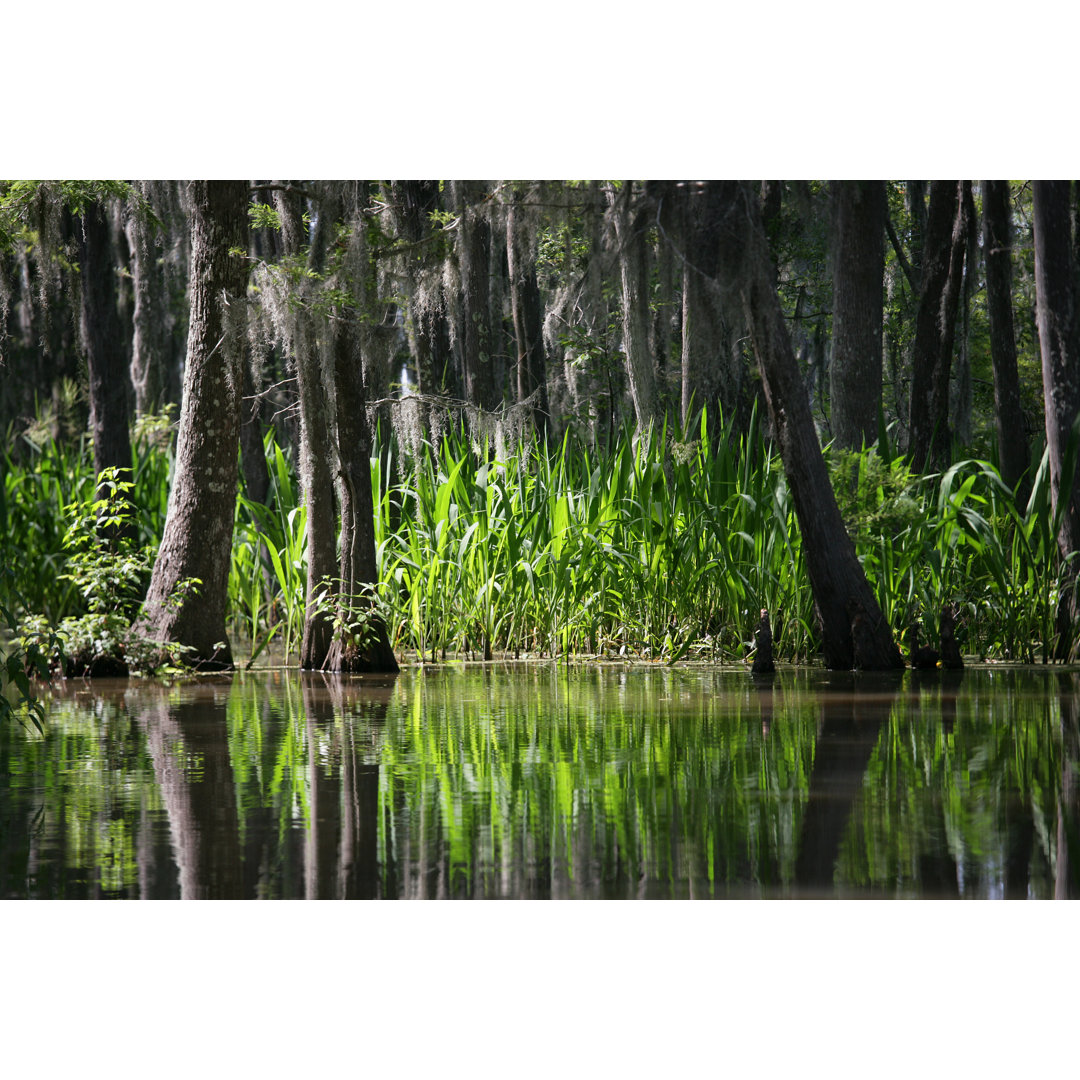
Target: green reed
(661, 548)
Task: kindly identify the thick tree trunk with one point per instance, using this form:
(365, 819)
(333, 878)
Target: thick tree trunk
(1059, 342)
(104, 344)
(474, 261)
(858, 267)
(854, 631)
(1013, 450)
(197, 541)
(935, 324)
(527, 316)
(634, 278)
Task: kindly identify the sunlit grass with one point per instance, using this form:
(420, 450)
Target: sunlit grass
(663, 549)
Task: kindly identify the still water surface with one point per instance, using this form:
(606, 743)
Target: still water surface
(536, 781)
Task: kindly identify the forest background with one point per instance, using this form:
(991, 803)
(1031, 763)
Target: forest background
(538, 418)
(702, 123)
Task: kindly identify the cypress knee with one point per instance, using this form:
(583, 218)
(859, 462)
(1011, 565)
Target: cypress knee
(950, 651)
(763, 659)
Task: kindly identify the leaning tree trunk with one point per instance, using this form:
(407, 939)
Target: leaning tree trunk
(1059, 342)
(935, 322)
(197, 542)
(854, 631)
(361, 642)
(1013, 449)
(104, 344)
(858, 268)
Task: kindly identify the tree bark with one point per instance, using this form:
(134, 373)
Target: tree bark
(104, 344)
(935, 323)
(429, 335)
(633, 276)
(1059, 344)
(198, 529)
(1013, 451)
(711, 368)
(527, 316)
(858, 267)
(474, 261)
(854, 631)
(316, 451)
(371, 649)
(148, 348)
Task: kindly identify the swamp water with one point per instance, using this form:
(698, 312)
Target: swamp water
(542, 780)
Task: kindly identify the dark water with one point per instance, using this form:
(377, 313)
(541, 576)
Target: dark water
(541, 781)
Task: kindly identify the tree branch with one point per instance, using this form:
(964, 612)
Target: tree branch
(904, 264)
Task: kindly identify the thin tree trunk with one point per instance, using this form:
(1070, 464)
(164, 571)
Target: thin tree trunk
(316, 454)
(935, 324)
(361, 643)
(1013, 450)
(710, 364)
(854, 631)
(474, 260)
(527, 316)
(429, 336)
(633, 275)
(104, 345)
(858, 266)
(197, 541)
(148, 315)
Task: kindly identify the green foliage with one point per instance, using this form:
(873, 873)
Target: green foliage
(110, 573)
(262, 216)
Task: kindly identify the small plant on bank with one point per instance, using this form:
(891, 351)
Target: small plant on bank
(110, 573)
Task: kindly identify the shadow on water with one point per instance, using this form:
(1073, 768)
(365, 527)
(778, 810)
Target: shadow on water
(549, 781)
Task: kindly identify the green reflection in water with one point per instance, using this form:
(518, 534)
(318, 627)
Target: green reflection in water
(537, 781)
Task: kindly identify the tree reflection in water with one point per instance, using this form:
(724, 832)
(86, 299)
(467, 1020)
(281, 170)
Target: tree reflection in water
(852, 716)
(549, 781)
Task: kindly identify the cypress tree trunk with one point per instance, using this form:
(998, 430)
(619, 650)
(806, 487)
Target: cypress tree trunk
(854, 631)
(474, 261)
(935, 323)
(1059, 343)
(197, 541)
(429, 335)
(371, 650)
(997, 251)
(633, 276)
(858, 266)
(148, 347)
(104, 344)
(527, 315)
(316, 450)
(710, 372)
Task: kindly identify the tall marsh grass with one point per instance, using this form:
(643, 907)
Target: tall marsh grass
(663, 549)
